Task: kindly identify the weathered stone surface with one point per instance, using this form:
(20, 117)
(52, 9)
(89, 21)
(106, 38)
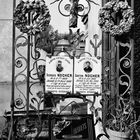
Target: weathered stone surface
(137, 49)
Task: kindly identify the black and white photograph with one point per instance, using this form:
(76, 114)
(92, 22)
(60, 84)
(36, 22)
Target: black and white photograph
(70, 70)
(87, 67)
(59, 66)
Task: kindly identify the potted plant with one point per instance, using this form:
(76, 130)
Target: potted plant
(120, 121)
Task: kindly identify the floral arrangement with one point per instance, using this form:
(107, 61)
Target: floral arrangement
(121, 10)
(47, 39)
(31, 16)
(122, 121)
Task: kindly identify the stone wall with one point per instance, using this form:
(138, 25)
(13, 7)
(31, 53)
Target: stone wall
(5, 39)
(137, 49)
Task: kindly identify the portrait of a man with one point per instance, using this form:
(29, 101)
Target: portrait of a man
(87, 67)
(59, 67)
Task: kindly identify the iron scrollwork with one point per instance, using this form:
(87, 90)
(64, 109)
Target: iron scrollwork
(117, 81)
(73, 9)
(21, 67)
(36, 73)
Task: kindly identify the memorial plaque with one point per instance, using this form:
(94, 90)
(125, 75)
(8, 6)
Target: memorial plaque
(59, 75)
(87, 75)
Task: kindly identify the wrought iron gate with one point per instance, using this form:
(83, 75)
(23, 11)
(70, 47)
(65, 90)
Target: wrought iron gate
(28, 77)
